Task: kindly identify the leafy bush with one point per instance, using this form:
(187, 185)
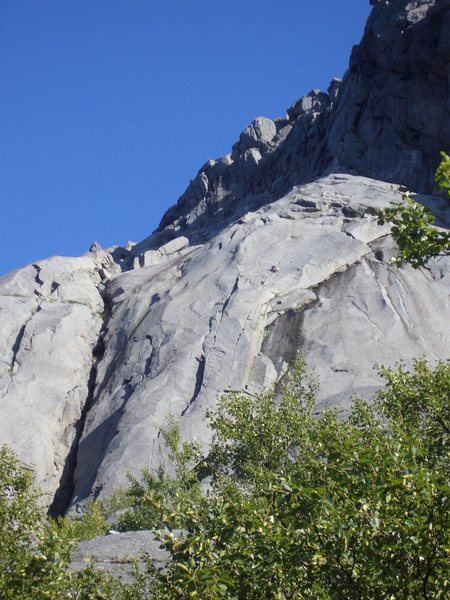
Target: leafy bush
(92, 524)
(443, 174)
(286, 504)
(35, 551)
(299, 505)
(414, 225)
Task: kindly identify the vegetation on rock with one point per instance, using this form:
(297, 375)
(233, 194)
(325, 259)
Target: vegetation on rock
(414, 225)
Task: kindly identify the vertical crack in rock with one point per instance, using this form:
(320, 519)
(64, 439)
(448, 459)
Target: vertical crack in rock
(110, 426)
(63, 494)
(38, 279)
(198, 382)
(149, 359)
(112, 367)
(200, 374)
(238, 339)
(107, 431)
(227, 301)
(16, 346)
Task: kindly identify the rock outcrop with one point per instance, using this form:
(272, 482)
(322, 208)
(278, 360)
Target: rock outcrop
(307, 271)
(118, 553)
(51, 315)
(388, 119)
(271, 249)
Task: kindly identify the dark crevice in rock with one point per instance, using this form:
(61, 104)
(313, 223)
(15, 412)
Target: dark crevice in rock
(227, 301)
(384, 248)
(106, 432)
(18, 341)
(198, 382)
(63, 495)
(16, 345)
(121, 351)
(37, 278)
(149, 360)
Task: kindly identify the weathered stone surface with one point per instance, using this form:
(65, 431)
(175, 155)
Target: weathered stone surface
(117, 553)
(50, 319)
(307, 271)
(388, 119)
(155, 257)
(392, 116)
(259, 135)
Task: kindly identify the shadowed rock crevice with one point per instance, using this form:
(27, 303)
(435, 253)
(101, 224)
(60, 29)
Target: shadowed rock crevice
(16, 346)
(37, 277)
(104, 433)
(199, 376)
(64, 493)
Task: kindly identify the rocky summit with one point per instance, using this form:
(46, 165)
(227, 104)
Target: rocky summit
(272, 249)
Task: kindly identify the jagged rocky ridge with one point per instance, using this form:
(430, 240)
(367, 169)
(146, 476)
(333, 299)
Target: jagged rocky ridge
(272, 248)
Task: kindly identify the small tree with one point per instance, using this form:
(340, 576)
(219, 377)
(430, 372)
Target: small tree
(414, 225)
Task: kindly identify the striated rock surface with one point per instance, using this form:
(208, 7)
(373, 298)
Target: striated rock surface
(307, 271)
(51, 314)
(271, 249)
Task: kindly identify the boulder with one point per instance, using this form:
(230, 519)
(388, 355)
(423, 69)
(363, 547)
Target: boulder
(119, 553)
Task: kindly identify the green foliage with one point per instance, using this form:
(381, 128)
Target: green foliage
(413, 229)
(148, 495)
(117, 502)
(35, 551)
(443, 174)
(414, 225)
(298, 505)
(92, 524)
(286, 504)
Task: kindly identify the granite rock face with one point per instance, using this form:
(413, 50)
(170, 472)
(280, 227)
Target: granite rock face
(392, 116)
(51, 314)
(271, 249)
(307, 271)
(388, 119)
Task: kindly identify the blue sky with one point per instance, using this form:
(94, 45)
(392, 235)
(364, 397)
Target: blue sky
(109, 107)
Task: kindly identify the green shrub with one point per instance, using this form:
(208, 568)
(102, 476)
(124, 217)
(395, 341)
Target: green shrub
(443, 174)
(90, 525)
(414, 228)
(300, 505)
(35, 551)
(287, 503)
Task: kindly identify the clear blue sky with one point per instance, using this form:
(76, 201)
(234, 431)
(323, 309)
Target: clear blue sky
(109, 107)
